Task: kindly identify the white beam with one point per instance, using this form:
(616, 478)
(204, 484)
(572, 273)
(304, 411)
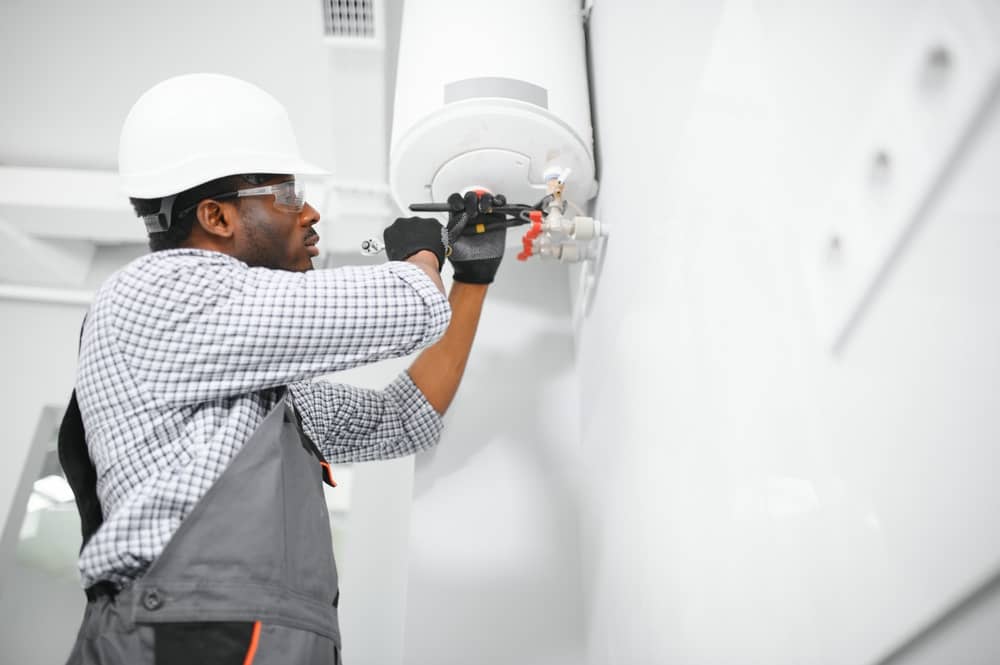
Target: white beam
(45, 294)
(61, 188)
(68, 204)
(30, 260)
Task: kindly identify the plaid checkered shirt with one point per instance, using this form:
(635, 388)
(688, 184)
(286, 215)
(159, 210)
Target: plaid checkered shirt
(185, 351)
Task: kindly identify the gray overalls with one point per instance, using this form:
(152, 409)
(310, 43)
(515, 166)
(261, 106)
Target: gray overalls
(249, 575)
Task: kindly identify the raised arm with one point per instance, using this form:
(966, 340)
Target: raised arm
(351, 424)
(203, 327)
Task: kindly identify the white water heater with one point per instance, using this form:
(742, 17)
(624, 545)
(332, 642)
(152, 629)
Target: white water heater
(491, 95)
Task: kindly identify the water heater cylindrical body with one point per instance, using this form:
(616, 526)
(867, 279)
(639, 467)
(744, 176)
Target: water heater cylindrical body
(490, 95)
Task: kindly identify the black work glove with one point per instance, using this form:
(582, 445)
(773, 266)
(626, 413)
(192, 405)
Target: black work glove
(408, 235)
(477, 241)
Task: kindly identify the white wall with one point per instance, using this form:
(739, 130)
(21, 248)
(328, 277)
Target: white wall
(38, 346)
(493, 571)
(763, 500)
(79, 68)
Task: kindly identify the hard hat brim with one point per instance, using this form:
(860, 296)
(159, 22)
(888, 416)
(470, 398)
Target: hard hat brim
(180, 177)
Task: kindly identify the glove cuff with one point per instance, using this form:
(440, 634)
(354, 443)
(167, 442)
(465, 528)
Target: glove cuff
(438, 252)
(481, 271)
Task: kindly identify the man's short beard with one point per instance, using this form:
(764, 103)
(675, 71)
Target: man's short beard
(263, 249)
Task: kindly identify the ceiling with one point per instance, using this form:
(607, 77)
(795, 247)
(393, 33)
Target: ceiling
(72, 71)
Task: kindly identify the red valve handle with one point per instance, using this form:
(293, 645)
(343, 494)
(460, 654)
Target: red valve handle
(529, 238)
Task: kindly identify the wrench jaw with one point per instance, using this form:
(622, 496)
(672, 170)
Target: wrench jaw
(371, 247)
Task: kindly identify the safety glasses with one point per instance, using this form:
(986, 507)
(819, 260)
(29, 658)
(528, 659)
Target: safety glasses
(288, 196)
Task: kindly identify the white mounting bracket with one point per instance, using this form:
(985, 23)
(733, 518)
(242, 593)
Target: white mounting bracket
(585, 275)
(938, 92)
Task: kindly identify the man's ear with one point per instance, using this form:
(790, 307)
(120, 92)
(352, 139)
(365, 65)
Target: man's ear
(216, 218)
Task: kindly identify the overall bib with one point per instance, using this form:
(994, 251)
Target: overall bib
(249, 575)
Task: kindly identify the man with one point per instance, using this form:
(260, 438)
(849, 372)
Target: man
(195, 441)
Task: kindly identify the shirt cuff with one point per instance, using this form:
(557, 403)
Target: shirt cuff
(422, 422)
(438, 307)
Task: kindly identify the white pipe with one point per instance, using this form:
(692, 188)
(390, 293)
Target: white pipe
(44, 294)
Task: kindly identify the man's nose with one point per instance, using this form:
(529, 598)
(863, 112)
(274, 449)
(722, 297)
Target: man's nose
(308, 216)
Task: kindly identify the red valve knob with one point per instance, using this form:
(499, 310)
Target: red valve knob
(526, 241)
(529, 238)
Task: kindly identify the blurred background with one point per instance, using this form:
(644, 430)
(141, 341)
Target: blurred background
(759, 424)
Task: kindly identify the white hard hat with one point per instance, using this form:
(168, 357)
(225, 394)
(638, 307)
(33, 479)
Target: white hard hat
(194, 128)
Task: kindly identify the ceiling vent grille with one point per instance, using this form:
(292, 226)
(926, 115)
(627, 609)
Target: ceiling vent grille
(350, 19)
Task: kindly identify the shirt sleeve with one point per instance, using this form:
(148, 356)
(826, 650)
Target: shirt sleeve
(207, 326)
(350, 424)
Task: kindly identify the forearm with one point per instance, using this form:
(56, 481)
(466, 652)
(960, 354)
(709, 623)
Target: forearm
(438, 370)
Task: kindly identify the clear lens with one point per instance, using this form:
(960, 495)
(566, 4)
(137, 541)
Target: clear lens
(288, 197)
